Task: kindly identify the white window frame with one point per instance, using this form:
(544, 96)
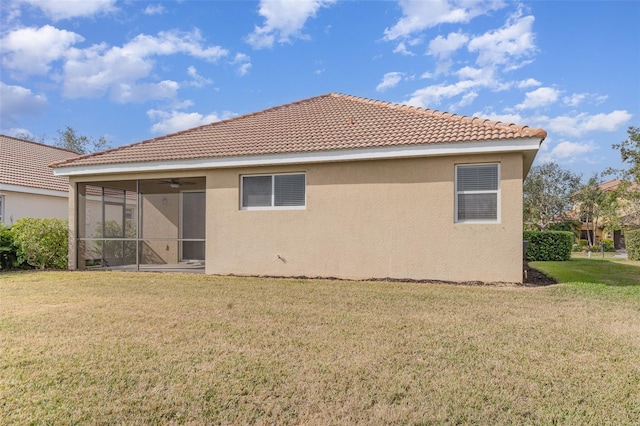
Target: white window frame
(1, 208)
(496, 191)
(273, 192)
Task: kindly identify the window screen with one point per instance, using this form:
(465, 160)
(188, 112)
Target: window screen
(256, 191)
(289, 190)
(477, 188)
(281, 190)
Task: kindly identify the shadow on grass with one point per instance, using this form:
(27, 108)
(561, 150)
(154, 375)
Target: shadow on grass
(597, 271)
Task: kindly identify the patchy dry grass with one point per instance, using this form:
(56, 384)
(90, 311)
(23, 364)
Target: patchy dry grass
(135, 348)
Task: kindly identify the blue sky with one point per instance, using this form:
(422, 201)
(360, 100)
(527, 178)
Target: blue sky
(132, 70)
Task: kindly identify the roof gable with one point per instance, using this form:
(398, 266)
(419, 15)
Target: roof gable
(25, 163)
(324, 123)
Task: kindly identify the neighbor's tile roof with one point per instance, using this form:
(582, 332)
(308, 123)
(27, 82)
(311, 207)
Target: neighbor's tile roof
(328, 122)
(614, 184)
(26, 163)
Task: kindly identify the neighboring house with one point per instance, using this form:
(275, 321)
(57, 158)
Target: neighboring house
(28, 187)
(627, 218)
(331, 186)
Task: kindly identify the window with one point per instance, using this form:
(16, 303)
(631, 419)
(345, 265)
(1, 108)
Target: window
(281, 191)
(1, 208)
(477, 193)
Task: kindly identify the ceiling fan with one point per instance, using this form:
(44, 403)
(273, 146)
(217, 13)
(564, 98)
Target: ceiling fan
(175, 183)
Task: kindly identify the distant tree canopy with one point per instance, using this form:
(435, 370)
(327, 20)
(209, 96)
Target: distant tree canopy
(71, 140)
(548, 192)
(629, 191)
(630, 153)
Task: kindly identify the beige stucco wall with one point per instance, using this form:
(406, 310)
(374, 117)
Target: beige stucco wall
(363, 219)
(368, 219)
(18, 205)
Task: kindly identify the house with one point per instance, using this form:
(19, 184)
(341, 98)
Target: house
(330, 186)
(28, 187)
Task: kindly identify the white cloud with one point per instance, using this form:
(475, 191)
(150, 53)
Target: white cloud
(100, 69)
(154, 9)
(67, 9)
(243, 62)
(431, 96)
(283, 19)
(142, 92)
(32, 50)
(16, 101)
(197, 79)
(389, 80)
(419, 15)
(505, 118)
(575, 99)
(567, 152)
(538, 98)
(512, 42)
(582, 123)
(466, 100)
(174, 121)
(530, 82)
(607, 122)
(401, 48)
(443, 47)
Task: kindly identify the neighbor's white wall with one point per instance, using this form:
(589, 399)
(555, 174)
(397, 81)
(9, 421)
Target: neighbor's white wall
(18, 205)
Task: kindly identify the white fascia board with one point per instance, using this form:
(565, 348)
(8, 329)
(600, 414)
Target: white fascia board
(459, 148)
(34, 191)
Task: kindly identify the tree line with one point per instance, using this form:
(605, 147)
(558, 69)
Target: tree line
(68, 138)
(558, 199)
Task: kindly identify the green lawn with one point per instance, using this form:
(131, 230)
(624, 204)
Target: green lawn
(607, 277)
(142, 348)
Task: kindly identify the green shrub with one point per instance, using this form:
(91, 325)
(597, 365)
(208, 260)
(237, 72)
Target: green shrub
(42, 243)
(548, 245)
(632, 240)
(8, 256)
(608, 245)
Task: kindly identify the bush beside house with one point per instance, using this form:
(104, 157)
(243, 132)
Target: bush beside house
(39, 242)
(632, 239)
(8, 256)
(548, 245)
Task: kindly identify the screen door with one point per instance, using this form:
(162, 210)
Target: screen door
(193, 225)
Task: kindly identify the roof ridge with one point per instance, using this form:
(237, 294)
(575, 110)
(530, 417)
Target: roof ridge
(499, 125)
(40, 144)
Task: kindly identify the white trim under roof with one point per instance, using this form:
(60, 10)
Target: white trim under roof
(387, 152)
(35, 191)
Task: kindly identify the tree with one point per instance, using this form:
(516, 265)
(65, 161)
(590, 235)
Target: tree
(629, 190)
(547, 195)
(630, 153)
(71, 140)
(589, 200)
(26, 136)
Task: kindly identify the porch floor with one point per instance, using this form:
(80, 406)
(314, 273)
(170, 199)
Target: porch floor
(184, 267)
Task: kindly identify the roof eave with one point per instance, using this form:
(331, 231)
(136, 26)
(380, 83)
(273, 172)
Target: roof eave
(528, 146)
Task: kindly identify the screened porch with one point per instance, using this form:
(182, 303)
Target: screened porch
(152, 224)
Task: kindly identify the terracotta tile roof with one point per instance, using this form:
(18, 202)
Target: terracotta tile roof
(26, 163)
(614, 184)
(329, 122)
